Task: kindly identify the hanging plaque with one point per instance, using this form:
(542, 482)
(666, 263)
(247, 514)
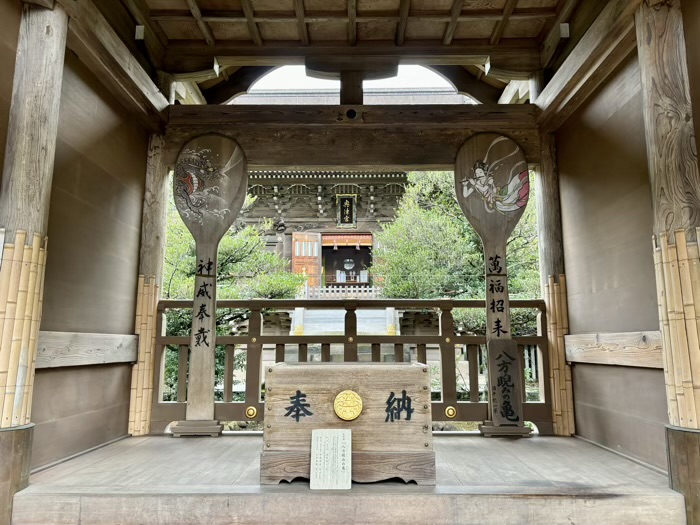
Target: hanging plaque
(347, 211)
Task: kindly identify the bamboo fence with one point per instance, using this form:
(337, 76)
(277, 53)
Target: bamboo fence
(142, 372)
(559, 370)
(677, 285)
(22, 269)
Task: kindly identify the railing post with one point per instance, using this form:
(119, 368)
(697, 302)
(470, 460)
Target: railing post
(254, 357)
(350, 353)
(447, 355)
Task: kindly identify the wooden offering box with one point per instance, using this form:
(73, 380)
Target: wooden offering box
(391, 436)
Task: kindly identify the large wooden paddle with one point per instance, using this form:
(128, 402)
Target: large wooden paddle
(209, 185)
(492, 185)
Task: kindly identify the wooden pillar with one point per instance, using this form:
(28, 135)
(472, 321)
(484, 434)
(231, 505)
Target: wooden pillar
(553, 284)
(24, 209)
(675, 185)
(351, 87)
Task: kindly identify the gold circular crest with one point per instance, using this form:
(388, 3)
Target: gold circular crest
(451, 412)
(251, 412)
(348, 405)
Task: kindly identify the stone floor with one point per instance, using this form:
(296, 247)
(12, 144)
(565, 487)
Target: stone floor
(541, 480)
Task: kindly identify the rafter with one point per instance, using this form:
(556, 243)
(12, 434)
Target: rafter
(452, 24)
(203, 26)
(503, 22)
(404, 10)
(303, 30)
(155, 37)
(250, 19)
(553, 37)
(352, 26)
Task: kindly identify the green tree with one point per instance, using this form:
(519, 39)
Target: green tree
(246, 269)
(431, 251)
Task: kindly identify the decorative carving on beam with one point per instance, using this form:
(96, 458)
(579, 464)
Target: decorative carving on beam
(503, 22)
(452, 24)
(238, 83)
(468, 84)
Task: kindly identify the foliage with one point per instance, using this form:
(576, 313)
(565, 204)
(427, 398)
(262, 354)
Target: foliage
(430, 251)
(245, 270)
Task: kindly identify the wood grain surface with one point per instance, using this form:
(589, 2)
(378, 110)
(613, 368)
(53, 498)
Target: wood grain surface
(641, 349)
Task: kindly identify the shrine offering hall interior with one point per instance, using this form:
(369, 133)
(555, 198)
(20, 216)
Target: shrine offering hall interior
(122, 121)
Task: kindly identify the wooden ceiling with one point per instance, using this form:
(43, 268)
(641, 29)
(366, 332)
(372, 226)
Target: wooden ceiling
(509, 34)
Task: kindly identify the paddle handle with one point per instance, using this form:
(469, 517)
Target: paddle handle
(200, 387)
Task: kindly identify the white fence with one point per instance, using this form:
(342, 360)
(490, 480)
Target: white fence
(341, 292)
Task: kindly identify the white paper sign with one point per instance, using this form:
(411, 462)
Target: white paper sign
(331, 459)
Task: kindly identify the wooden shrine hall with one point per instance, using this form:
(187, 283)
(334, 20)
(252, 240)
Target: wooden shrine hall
(101, 100)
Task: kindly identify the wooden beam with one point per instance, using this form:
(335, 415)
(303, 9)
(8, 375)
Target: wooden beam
(404, 11)
(513, 54)
(497, 32)
(301, 24)
(252, 25)
(513, 92)
(468, 84)
(48, 4)
(285, 148)
(101, 50)
(203, 26)
(608, 41)
(187, 92)
(455, 11)
(237, 17)
(553, 37)
(239, 82)
(59, 349)
(352, 26)
(641, 349)
(351, 87)
(155, 38)
(393, 137)
(481, 116)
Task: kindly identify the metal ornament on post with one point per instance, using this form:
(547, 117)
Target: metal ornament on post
(492, 185)
(209, 186)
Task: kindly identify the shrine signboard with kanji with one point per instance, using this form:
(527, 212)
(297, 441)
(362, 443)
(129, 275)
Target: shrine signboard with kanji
(386, 406)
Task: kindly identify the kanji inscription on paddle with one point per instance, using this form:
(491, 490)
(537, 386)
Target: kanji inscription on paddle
(493, 187)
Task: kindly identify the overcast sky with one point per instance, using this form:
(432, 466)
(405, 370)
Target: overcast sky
(294, 77)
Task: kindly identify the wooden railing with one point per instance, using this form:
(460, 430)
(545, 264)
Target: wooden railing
(256, 347)
(341, 292)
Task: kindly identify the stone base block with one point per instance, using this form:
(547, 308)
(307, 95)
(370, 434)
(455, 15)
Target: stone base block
(15, 453)
(197, 428)
(489, 430)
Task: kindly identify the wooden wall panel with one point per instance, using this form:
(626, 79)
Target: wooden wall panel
(622, 408)
(95, 214)
(77, 408)
(606, 211)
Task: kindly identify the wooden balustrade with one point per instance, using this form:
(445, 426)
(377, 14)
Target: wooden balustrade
(442, 351)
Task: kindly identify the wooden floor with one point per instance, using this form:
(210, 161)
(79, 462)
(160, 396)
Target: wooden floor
(541, 480)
